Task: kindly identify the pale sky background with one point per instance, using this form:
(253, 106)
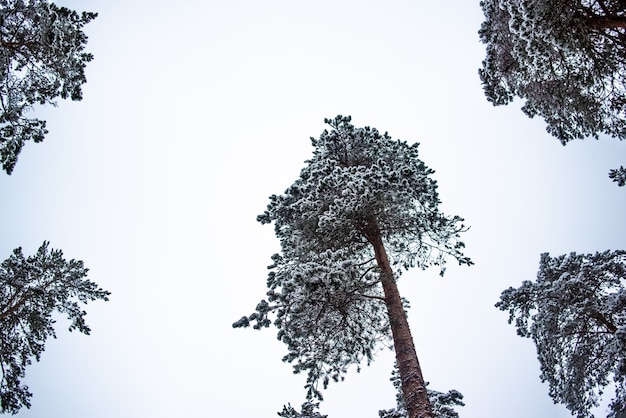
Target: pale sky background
(195, 112)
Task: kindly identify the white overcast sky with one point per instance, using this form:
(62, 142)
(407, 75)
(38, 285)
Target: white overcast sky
(195, 112)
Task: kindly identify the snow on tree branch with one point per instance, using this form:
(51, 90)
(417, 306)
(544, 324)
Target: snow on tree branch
(31, 290)
(41, 58)
(576, 314)
(364, 209)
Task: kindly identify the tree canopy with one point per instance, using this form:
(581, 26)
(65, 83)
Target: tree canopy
(41, 58)
(565, 58)
(355, 177)
(576, 314)
(31, 290)
(332, 292)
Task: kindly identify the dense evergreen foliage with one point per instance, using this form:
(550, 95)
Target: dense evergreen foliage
(564, 58)
(31, 290)
(576, 314)
(329, 312)
(41, 58)
(332, 292)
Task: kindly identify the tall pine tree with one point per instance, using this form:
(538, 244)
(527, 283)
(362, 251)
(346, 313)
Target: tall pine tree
(32, 289)
(363, 209)
(564, 58)
(41, 58)
(575, 312)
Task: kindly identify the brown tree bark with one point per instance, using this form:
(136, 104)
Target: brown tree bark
(607, 22)
(413, 386)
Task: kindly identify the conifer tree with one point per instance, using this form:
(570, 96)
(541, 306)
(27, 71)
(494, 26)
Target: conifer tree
(41, 58)
(32, 289)
(363, 210)
(576, 315)
(564, 58)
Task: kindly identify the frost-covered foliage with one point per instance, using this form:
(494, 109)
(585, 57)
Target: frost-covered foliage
(565, 58)
(31, 289)
(576, 314)
(357, 177)
(41, 59)
(308, 410)
(361, 190)
(329, 313)
(442, 403)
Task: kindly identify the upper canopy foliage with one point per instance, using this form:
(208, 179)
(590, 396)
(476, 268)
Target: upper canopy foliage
(358, 178)
(31, 289)
(576, 314)
(41, 59)
(564, 57)
(325, 294)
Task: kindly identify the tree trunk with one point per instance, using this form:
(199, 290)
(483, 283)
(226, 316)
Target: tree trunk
(607, 22)
(413, 386)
